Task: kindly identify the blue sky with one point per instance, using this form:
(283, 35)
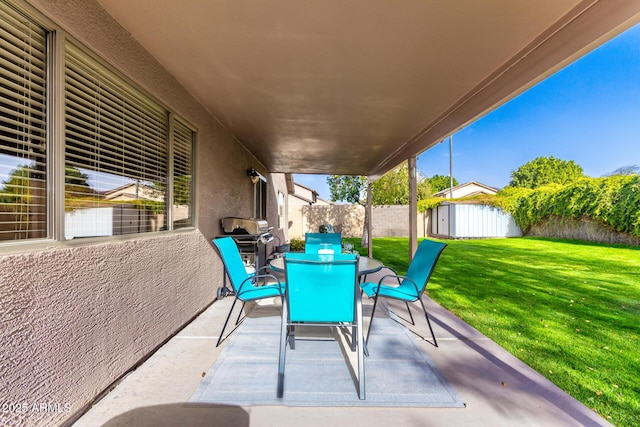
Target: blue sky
(589, 112)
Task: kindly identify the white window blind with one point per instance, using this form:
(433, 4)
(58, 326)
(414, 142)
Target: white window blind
(23, 169)
(183, 138)
(115, 153)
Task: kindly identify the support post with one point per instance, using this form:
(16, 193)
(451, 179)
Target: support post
(368, 213)
(451, 166)
(413, 207)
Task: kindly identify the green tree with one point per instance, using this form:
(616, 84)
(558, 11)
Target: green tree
(546, 170)
(441, 182)
(393, 188)
(351, 189)
(23, 198)
(76, 183)
(19, 185)
(182, 190)
(347, 188)
(17, 188)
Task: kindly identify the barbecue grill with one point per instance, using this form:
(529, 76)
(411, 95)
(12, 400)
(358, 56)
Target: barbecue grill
(251, 236)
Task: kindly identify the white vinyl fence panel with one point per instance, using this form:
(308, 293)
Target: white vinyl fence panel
(464, 221)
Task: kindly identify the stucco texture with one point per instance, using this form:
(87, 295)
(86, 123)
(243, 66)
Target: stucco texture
(75, 319)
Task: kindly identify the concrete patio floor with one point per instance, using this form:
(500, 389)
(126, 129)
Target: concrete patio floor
(499, 390)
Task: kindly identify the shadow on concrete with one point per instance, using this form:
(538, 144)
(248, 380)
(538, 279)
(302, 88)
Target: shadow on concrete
(179, 414)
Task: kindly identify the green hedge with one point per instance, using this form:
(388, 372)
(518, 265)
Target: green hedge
(430, 203)
(614, 200)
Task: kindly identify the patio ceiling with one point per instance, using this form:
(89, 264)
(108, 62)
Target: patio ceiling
(358, 86)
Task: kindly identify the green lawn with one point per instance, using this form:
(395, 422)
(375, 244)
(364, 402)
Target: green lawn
(568, 309)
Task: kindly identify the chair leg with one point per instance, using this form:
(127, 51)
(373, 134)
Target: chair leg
(354, 331)
(373, 312)
(291, 334)
(240, 314)
(226, 321)
(283, 349)
(435, 343)
(361, 350)
(410, 315)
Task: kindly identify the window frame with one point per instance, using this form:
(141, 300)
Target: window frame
(260, 192)
(56, 145)
(282, 210)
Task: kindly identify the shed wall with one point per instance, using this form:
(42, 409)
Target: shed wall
(465, 221)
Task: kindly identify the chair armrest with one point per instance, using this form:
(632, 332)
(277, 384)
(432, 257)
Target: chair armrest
(251, 278)
(395, 275)
(392, 269)
(377, 287)
(398, 277)
(264, 267)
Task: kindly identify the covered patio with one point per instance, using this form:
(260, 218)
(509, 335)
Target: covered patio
(497, 388)
(361, 87)
(280, 88)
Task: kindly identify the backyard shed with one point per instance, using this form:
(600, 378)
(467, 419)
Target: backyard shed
(467, 221)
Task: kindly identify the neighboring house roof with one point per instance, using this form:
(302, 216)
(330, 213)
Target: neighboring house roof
(471, 188)
(134, 191)
(320, 201)
(306, 195)
(294, 199)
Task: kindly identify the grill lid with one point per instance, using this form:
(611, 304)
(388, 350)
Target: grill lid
(234, 225)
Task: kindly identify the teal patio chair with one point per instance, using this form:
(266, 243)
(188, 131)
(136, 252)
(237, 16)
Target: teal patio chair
(243, 283)
(409, 288)
(313, 242)
(322, 290)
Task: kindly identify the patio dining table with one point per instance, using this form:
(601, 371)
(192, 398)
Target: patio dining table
(366, 265)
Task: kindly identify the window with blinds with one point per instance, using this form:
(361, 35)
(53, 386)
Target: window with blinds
(23, 148)
(117, 142)
(182, 175)
(115, 153)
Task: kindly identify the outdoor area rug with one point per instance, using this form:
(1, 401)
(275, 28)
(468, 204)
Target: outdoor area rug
(398, 373)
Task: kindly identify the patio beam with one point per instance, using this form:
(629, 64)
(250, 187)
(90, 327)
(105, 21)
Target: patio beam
(413, 207)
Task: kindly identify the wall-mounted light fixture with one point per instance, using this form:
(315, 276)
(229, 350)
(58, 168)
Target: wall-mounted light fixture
(253, 175)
